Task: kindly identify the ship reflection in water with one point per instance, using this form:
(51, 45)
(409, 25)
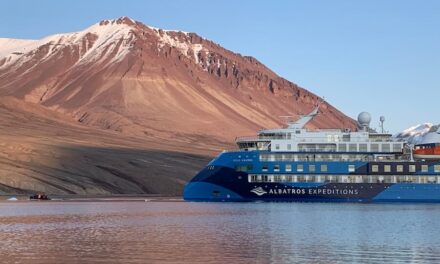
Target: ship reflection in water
(164, 232)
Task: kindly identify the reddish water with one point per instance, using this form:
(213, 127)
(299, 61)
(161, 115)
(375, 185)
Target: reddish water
(180, 232)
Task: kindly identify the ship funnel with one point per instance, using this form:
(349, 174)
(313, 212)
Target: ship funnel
(364, 120)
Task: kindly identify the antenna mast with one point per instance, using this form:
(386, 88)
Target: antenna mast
(382, 120)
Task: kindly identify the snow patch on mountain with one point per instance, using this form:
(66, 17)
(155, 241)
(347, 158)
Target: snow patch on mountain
(182, 43)
(106, 37)
(8, 46)
(110, 36)
(415, 134)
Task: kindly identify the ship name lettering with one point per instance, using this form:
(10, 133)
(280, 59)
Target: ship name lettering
(314, 191)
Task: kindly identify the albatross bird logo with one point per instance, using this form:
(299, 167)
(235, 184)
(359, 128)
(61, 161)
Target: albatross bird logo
(259, 191)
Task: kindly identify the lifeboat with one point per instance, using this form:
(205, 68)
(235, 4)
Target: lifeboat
(427, 151)
(39, 197)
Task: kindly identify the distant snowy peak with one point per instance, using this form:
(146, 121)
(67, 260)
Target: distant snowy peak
(416, 130)
(416, 134)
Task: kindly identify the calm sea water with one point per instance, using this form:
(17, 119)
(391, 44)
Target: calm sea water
(182, 232)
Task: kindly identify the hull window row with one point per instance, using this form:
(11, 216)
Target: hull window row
(286, 178)
(400, 168)
(374, 168)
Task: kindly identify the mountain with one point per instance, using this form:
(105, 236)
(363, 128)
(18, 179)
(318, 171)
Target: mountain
(42, 150)
(138, 80)
(122, 107)
(415, 134)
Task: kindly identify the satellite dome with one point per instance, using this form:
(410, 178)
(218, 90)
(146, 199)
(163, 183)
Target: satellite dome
(364, 119)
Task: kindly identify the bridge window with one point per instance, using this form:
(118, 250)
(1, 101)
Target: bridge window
(244, 168)
(374, 147)
(385, 147)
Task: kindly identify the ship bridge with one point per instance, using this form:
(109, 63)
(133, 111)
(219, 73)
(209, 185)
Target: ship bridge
(295, 138)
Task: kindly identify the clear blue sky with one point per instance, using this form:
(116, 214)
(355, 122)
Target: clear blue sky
(380, 56)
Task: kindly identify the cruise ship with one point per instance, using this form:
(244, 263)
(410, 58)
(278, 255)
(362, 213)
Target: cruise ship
(323, 165)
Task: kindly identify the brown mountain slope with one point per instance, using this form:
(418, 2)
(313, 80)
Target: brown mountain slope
(41, 150)
(131, 78)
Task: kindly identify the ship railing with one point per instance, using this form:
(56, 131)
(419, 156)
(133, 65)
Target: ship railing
(252, 138)
(306, 139)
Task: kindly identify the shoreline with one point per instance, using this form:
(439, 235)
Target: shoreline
(97, 198)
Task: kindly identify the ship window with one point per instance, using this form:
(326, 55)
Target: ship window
(312, 168)
(387, 168)
(289, 146)
(265, 167)
(374, 147)
(252, 178)
(375, 168)
(363, 147)
(412, 168)
(436, 168)
(276, 167)
(300, 168)
(324, 168)
(397, 147)
(431, 180)
(351, 168)
(424, 168)
(352, 147)
(277, 146)
(264, 157)
(288, 167)
(385, 147)
(330, 178)
(399, 168)
(342, 147)
(406, 179)
(243, 168)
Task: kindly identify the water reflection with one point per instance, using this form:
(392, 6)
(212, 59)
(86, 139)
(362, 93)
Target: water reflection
(166, 232)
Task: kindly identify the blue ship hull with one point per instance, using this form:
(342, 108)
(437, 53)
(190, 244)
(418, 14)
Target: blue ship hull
(220, 181)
